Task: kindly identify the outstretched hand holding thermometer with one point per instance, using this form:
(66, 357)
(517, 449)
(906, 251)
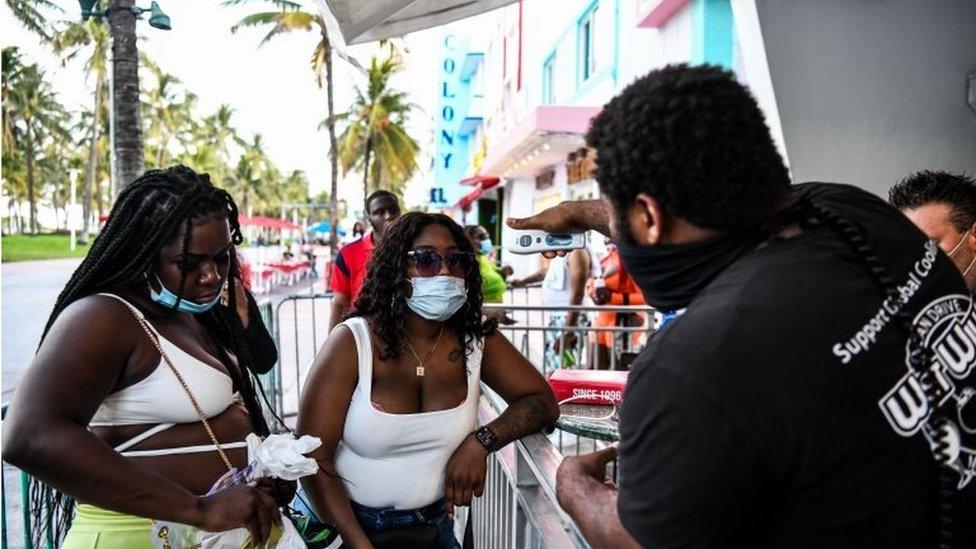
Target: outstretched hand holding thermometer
(559, 230)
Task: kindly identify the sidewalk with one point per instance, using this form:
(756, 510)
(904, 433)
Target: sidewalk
(29, 291)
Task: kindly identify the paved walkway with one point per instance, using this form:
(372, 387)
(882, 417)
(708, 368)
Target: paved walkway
(29, 291)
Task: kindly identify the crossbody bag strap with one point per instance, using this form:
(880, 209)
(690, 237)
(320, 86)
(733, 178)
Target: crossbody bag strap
(186, 388)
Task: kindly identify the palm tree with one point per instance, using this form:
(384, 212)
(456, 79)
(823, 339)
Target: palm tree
(167, 114)
(13, 66)
(35, 114)
(13, 156)
(29, 13)
(68, 43)
(221, 131)
(102, 175)
(129, 152)
(56, 160)
(290, 17)
(375, 139)
(212, 141)
(253, 176)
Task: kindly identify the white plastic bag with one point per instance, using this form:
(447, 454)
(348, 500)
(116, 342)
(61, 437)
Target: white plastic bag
(181, 536)
(277, 456)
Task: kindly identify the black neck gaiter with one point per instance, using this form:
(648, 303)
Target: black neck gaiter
(671, 275)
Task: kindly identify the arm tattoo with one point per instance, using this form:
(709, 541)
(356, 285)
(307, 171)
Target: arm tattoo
(526, 415)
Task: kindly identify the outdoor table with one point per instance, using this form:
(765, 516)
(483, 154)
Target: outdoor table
(599, 429)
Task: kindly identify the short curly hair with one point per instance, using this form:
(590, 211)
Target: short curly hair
(382, 301)
(958, 191)
(695, 140)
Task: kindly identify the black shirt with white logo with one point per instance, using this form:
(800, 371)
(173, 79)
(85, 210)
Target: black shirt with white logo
(780, 411)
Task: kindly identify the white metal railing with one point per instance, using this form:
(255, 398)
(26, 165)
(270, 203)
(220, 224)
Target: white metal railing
(518, 508)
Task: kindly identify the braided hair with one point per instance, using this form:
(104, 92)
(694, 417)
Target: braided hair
(148, 215)
(919, 356)
(383, 299)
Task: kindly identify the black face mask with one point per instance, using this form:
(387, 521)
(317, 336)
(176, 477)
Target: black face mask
(671, 275)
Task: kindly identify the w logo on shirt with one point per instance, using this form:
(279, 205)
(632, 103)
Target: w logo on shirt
(947, 327)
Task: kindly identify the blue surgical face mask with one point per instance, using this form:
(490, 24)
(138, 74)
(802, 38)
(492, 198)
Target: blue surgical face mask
(485, 247)
(437, 297)
(168, 299)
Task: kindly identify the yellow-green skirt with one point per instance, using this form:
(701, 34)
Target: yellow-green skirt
(97, 528)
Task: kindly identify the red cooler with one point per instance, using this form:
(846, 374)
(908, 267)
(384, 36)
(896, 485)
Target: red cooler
(589, 386)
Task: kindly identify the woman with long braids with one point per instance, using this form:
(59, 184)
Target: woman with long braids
(105, 415)
(393, 393)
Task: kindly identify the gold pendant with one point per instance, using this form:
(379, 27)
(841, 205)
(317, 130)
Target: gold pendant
(420, 371)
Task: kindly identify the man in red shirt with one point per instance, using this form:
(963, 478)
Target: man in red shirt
(349, 268)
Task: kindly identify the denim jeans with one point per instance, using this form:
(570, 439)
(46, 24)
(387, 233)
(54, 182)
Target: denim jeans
(374, 519)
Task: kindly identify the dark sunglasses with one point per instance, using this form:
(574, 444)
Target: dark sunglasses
(429, 262)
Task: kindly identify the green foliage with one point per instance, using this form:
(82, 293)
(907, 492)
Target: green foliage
(37, 247)
(32, 14)
(33, 121)
(175, 133)
(375, 139)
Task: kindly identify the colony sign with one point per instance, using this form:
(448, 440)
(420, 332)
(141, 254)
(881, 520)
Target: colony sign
(448, 157)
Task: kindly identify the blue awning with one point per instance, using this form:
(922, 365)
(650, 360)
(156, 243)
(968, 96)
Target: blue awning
(325, 227)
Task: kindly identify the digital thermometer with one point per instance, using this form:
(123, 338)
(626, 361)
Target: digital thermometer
(530, 242)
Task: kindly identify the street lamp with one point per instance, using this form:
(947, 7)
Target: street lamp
(123, 59)
(157, 18)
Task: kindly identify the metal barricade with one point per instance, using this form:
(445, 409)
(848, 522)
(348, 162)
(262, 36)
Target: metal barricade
(536, 326)
(518, 508)
(529, 335)
(300, 326)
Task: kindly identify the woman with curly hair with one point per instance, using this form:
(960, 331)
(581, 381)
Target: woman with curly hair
(393, 394)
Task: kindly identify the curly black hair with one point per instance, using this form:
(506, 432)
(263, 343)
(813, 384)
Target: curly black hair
(383, 299)
(958, 191)
(695, 140)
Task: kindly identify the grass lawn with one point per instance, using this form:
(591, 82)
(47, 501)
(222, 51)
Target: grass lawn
(45, 246)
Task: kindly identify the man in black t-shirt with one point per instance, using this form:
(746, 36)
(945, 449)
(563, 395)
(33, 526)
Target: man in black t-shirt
(824, 359)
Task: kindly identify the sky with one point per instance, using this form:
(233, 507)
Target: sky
(272, 88)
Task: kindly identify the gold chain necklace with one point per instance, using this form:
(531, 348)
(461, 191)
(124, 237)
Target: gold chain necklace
(421, 362)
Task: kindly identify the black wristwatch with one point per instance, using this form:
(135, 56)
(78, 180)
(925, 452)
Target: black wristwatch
(487, 439)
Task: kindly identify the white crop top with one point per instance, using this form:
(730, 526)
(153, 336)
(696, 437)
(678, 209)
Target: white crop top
(399, 460)
(160, 399)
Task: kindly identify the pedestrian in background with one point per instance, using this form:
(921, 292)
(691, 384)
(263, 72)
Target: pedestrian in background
(349, 268)
(563, 285)
(943, 206)
(614, 287)
(493, 284)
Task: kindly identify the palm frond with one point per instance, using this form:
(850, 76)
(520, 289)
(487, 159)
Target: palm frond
(282, 4)
(257, 20)
(28, 12)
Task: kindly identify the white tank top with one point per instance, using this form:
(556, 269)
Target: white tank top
(555, 286)
(399, 460)
(160, 399)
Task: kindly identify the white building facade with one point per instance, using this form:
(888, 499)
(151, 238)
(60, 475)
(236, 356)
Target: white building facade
(544, 69)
